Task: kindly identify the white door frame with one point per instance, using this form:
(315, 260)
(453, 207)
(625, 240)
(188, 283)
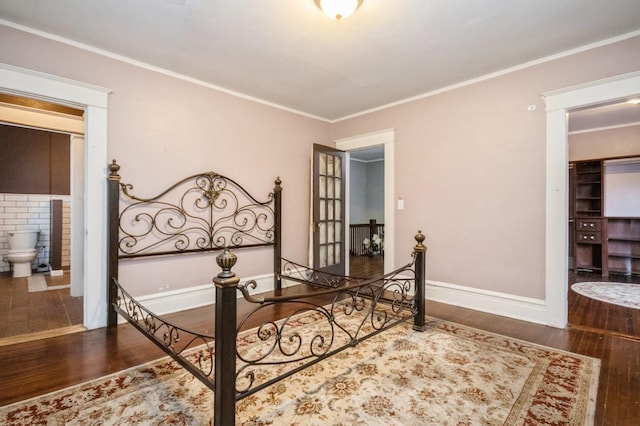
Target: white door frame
(77, 215)
(93, 100)
(386, 138)
(558, 104)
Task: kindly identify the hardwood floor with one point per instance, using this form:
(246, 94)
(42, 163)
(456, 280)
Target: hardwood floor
(46, 365)
(365, 266)
(592, 315)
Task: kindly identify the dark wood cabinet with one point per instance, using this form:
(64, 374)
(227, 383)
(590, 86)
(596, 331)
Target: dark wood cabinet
(597, 242)
(588, 189)
(588, 244)
(34, 161)
(623, 245)
(585, 213)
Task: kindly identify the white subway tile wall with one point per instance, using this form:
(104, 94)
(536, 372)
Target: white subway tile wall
(29, 211)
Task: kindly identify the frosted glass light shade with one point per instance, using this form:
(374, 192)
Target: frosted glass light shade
(338, 9)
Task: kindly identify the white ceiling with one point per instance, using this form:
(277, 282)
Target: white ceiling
(287, 53)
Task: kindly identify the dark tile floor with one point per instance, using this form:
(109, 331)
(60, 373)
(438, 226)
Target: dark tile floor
(23, 312)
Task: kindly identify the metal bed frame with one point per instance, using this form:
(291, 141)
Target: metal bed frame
(210, 212)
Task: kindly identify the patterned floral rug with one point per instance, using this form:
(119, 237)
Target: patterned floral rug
(622, 294)
(447, 375)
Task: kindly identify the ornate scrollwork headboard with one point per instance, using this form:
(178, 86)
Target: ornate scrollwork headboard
(203, 212)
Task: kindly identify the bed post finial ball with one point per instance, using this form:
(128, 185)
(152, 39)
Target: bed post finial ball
(113, 168)
(278, 182)
(226, 260)
(420, 239)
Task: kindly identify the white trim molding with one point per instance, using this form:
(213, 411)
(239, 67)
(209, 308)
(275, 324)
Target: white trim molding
(558, 104)
(503, 304)
(93, 100)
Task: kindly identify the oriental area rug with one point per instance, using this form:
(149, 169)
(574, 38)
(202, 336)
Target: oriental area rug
(447, 375)
(621, 294)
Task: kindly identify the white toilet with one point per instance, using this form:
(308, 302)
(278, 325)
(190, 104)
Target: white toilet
(22, 251)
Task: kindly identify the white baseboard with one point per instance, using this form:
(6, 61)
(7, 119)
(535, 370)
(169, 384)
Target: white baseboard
(503, 304)
(168, 302)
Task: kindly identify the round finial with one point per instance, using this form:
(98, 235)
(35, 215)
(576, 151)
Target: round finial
(113, 168)
(226, 260)
(420, 239)
(278, 182)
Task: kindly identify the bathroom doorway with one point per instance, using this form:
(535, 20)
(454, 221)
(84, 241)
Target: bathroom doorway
(50, 301)
(94, 101)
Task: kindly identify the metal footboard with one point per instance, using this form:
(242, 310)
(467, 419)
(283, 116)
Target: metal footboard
(343, 317)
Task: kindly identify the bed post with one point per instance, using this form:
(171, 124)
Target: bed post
(419, 251)
(226, 282)
(113, 200)
(277, 229)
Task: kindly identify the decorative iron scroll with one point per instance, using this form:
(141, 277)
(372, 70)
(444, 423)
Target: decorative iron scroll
(282, 350)
(203, 212)
(354, 312)
(301, 273)
(194, 351)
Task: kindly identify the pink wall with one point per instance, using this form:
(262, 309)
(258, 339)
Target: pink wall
(161, 129)
(470, 165)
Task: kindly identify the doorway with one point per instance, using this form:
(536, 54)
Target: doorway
(558, 104)
(366, 207)
(604, 188)
(47, 192)
(93, 100)
(383, 140)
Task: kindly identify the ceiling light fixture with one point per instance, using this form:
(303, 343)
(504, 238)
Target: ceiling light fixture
(338, 9)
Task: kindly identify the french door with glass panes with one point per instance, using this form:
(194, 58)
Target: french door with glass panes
(328, 209)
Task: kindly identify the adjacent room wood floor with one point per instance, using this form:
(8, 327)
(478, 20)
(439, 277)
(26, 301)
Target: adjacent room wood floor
(612, 335)
(592, 315)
